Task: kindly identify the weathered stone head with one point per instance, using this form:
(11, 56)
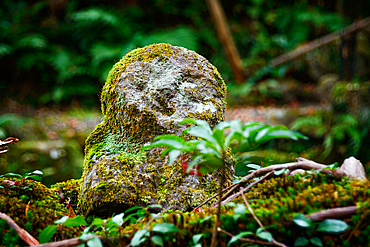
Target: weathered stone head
(147, 94)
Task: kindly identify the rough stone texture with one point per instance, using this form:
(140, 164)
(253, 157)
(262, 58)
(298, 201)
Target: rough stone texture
(146, 94)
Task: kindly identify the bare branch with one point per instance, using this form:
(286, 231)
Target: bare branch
(23, 234)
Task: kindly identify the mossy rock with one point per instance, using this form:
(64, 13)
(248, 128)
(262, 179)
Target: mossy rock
(33, 207)
(147, 94)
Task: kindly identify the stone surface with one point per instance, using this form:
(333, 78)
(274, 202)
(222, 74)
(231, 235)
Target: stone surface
(147, 94)
(353, 168)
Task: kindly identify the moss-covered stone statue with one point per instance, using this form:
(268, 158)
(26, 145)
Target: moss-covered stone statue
(147, 94)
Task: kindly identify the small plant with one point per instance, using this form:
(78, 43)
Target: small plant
(212, 148)
(327, 226)
(34, 175)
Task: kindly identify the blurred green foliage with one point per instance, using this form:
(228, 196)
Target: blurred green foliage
(57, 51)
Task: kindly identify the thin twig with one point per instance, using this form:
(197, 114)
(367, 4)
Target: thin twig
(231, 187)
(218, 220)
(268, 175)
(23, 234)
(359, 222)
(258, 221)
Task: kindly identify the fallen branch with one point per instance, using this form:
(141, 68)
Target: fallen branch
(72, 242)
(351, 168)
(303, 49)
(23, 234)
(332, 213)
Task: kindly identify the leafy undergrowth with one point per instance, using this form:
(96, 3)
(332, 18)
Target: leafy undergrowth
(276, 202)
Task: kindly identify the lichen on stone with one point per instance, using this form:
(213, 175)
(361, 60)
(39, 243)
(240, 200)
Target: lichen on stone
(147, 93)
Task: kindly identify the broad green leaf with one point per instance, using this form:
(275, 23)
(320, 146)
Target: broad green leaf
(332, 226)
(97, 222)
(61, 220)
(169, 137)
(173, 155)
(279, 172)
(261, 233)
(201, 132)
(253, 166)
(36, 172)
(133, 208)
(47, 233)
(222, 125)
(118, 219)
(165, 228)
(316, 241)
(219, 136)
(12, 175)
(197, 237)
(239, 209)
(76, 221)
(166, 142)
(34, 177)
(157, 240)
(94, 242)
(301, 241)
(302, 221)
(139, 237)
(240, 235)
(86, 234)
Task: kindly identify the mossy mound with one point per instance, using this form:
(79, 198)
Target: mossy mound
(70, 189)
(32, 206)
(147, 94)
(275, 203)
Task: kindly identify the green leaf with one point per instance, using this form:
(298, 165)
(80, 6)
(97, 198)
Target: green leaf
(201, 132)
(37, 172)
(279, 172)
(240, 235)
(86, 234)
(316, 241)
(133, 208)
(197, 237)
(219, 136)
(97, 222)
(173, 155)
(165, 228)
(302, 221)
(76, 221)
(301, 241)
(94, 242)
(332, 226)
(47, 233)
(12, 175)
(254, 166)
(139, 237)
(261, 233)
(223, 125)
(157, 240)
(240, 209)
(167, 142)
(118, 219)
(61, 220)
(34, 177)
